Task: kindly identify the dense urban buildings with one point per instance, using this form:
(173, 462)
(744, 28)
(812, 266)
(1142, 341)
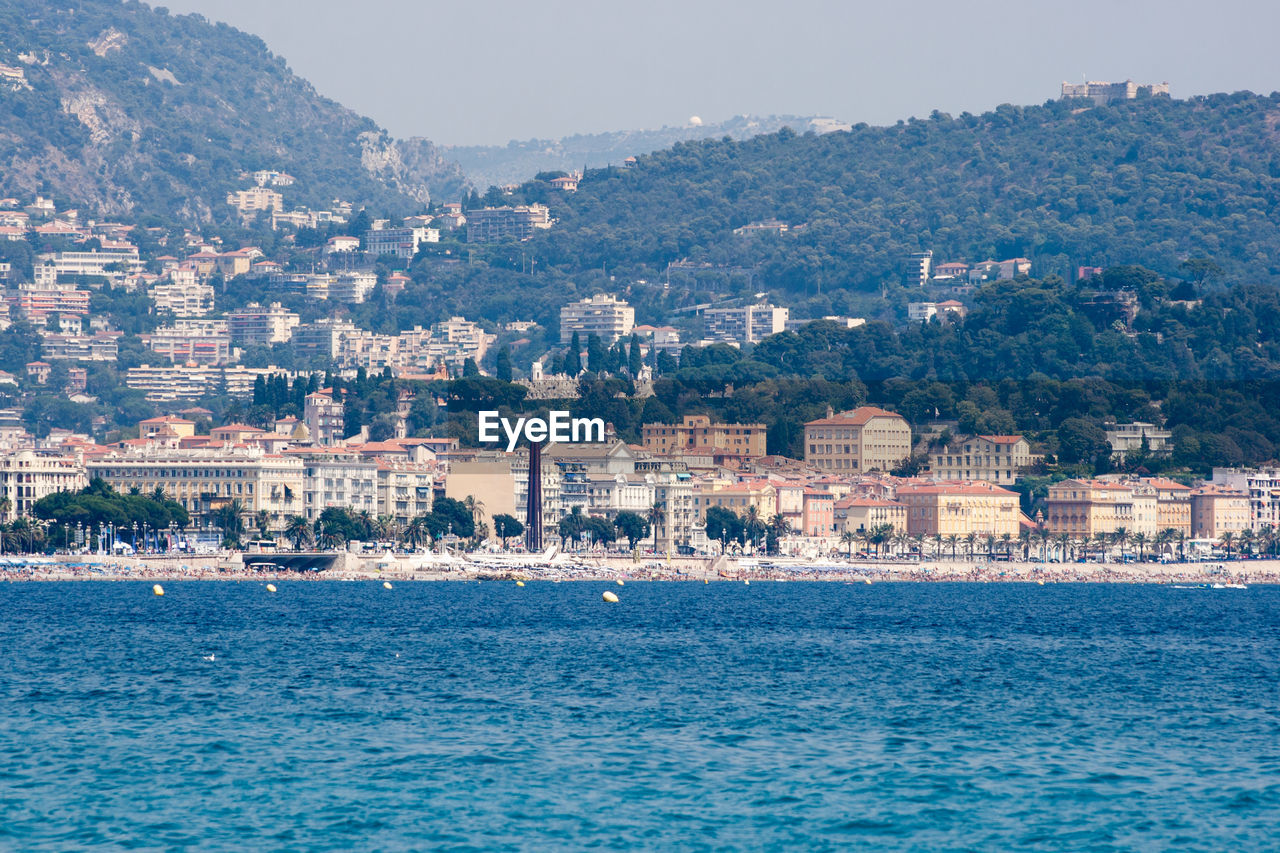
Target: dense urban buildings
(866, 439)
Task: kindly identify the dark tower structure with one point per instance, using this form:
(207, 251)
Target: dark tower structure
(533, 507)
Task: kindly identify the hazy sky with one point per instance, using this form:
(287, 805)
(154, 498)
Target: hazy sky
(488, 71)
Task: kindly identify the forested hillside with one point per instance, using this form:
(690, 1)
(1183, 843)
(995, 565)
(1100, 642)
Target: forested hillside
(518, 160)
(1150, 182)
(130, 110)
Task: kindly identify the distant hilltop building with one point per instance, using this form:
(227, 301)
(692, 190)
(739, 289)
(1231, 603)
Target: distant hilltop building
(1101, 92)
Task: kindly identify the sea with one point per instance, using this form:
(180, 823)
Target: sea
(686, 716)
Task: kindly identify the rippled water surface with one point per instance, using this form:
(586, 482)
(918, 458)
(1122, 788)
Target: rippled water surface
(343, 716)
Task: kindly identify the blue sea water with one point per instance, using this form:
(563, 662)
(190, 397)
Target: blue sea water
(343, 716)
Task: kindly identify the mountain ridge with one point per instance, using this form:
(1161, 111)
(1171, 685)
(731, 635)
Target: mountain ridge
(125, 109)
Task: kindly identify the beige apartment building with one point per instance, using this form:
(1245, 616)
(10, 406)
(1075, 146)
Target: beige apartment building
(1173, 504)
(993, 458)
(698, 432)
(1085, 508)
(1216, 510)
(737, 498)
(862, 515)
(958, 509)
(866, 439)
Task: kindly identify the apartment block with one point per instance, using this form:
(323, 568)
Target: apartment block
(401, 242)
(865, 439)
(175, 383)
(698, 432)
(1216, 510)
(862, 515)
(993, 458)
(26, 476)
(494, 224)
(405, 489)
(959, 509)
(1262, 485)
(602, 315)
(1130, 438)
(205, 479)
(183, 299)
(206, 342)
(1084, 508)
(324, 417)
(745, 325)
(254, 325)
(254, 200)
(336, 477)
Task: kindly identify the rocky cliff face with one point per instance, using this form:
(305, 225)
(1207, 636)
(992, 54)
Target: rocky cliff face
(125, 109)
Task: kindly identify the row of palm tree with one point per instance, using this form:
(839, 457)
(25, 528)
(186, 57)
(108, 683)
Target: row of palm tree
(1042, 545)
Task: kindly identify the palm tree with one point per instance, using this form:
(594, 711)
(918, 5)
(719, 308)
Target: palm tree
(970, 541)
(298, 530)
(263, 519)
(230, 519)
(1006, 539)
(1064, 543)
(5, 506)
(848, 538)
(475, 507)
(1227, 540)
(1121, 537)
(1100, 539)
(953, 540)
(1246, 541)
(656, 515)
(417, 532)
(878, 535)
(1162, 540)
(1140, 540)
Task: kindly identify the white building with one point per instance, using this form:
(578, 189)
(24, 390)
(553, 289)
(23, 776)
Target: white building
(203, 479)
(401, 242)
(746, 325)
(1262, 485)
(27, 475)
(603, 315)
(254, 325)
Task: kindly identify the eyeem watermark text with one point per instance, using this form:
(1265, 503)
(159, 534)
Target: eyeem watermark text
(558, 427)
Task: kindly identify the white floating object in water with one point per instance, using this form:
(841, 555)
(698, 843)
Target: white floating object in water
(157, 590)
(386, 584)
(610, 597)
(209, 657)
(620, 582)
(271, 587)
(746, 583)
(519, 583)
(867, 581)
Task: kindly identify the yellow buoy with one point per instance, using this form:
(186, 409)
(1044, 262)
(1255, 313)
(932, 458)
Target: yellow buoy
(867, 581)
(519, 583)
(620, 582)
(746, 583)
(386, 584)
(1040, 582)
(157, 590)
(704, 580)
(610, 597)
(271, 587)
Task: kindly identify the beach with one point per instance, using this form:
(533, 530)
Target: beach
(343, 566)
